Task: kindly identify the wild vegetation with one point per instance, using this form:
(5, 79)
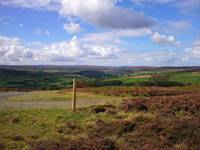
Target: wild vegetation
(122, 117)
(150, 118)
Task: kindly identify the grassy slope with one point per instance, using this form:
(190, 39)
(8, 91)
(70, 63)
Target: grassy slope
(20, 127)
(16, 127)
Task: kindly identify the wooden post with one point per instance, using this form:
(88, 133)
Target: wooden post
(74, 95)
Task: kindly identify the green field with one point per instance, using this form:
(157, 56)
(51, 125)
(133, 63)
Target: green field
(130, 79)
(179, 77)
(186, 77)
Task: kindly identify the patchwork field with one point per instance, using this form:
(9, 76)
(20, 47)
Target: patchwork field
(180, 77)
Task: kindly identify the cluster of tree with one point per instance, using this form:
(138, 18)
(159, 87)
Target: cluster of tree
(94, 74)
(98, 83)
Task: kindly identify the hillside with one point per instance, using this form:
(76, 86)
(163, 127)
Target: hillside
(60, 77)
(134, 118)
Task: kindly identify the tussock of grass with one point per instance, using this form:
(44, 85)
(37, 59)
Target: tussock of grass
(34, 124)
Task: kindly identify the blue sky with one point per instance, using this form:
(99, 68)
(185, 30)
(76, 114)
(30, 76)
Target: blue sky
(100, 32)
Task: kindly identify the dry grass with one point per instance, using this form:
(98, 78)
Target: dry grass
(52, 99)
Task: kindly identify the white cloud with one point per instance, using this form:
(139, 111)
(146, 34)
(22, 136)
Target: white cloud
(74, 49)
(194, 50)
(104, 13)
(154, 58)
(168, 40)
(115, 34)
(12, 50)
(72, 27)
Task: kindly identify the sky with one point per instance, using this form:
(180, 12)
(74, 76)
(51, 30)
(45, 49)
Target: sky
(100, 32)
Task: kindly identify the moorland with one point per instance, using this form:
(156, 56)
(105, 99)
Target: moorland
(126, 108)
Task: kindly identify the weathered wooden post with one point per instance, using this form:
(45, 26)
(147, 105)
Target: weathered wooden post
(74, 95)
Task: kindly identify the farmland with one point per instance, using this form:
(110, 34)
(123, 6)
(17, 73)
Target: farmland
(109, 117)
(28, 78)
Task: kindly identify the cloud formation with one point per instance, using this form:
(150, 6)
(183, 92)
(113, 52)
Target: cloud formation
(167, 40)
(115, 35)
(102, 13)
(12, 50)
(119, 27)
(72, 27)
(74, 49)
(194, 50)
